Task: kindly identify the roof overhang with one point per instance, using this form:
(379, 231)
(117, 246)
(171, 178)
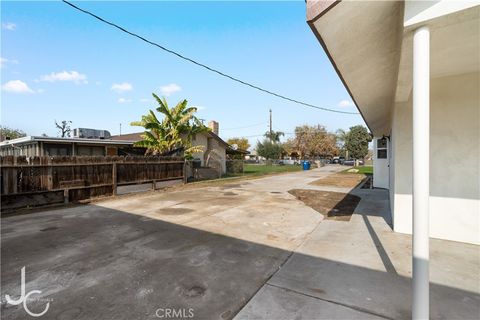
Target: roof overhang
(30, 139)
(370, 46)
(362, 41)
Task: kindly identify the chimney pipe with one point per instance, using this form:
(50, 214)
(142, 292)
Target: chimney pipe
(213, 125)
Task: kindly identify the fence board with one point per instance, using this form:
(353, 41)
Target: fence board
(81, 177)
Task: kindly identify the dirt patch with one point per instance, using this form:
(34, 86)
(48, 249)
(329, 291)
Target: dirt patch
(333, 205)
(342, 180)
(229, 193)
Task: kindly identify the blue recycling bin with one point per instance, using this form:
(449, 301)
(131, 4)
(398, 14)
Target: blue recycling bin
(306, 165)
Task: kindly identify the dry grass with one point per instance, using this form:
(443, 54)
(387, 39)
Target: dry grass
(341, 180)
(333, 205)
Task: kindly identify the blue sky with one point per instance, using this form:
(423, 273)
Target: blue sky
(60, 64)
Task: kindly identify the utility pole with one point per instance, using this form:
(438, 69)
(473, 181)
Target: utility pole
(271, 132)
(120, 129)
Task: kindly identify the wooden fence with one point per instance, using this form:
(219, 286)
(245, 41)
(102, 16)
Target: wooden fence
(37, 181)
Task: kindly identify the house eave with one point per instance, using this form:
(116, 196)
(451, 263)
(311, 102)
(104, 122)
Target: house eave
(341, 45)
(30, 139)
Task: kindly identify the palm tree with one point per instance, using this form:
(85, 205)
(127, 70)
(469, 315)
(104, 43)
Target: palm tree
(274, 136)
(342, 137)
(174, 132)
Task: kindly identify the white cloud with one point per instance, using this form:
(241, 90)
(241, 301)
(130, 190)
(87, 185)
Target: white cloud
(169, 89)
(5, 61)
(122, 87)
(345, 103)
(146, 100)
(16, 86)
(123, 100)
(73, 76)
(9, 26)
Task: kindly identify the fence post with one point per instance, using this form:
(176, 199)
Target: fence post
(154, 184)
(65, 196)
(184, 171)
(114, 178)
(50, 174)
(14, 175)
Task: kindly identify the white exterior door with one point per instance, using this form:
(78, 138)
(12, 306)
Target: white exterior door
(381, 163)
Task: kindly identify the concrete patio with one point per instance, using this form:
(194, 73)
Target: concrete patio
(244, 249)
(362, 270)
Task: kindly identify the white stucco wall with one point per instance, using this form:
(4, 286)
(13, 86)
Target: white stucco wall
(203, 140)
(200, 140)
(454, 160)
(220, 151)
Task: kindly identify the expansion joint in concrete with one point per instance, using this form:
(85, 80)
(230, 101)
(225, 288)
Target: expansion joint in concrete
(356, 308)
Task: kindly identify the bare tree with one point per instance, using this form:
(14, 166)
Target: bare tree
(64, 128)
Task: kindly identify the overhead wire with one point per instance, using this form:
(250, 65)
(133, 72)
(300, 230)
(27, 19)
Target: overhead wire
(214, 70)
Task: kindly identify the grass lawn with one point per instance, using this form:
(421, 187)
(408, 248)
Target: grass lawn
(262, 169)
(362, 170)
(259, 169)
(250, 171)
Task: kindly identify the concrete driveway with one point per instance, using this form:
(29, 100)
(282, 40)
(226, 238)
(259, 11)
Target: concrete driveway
(206, 248)
(245, 249)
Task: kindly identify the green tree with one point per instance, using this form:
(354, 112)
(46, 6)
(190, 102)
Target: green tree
(356, 141)
(173, 132)
(269, 150)
(6, 132)
(242, 143)
(274, 136)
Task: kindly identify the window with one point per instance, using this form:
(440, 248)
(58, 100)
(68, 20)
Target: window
(57, 149)
(382, 143)
(382, 148)
(90, 151)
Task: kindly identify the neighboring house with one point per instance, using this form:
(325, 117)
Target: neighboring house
(253, 156)
(410, 65)
(214, 152)
(214, 149)
(51, 146)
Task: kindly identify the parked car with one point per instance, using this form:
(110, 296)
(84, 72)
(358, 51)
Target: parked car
(351, 162)
(338, 160)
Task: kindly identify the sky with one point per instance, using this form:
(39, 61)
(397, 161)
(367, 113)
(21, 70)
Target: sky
(60, 64)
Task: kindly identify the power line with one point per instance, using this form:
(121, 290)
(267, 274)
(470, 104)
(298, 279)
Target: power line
(249, 126)
(255, 135)
(203, 65)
